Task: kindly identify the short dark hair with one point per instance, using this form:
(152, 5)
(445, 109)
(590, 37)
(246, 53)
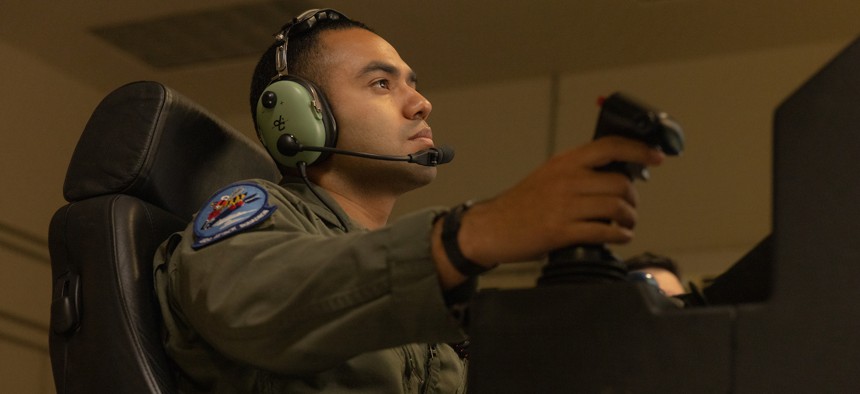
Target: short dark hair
(651, 260)
(303, 57)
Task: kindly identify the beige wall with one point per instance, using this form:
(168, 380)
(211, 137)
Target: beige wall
(705, 208)
(40, 102)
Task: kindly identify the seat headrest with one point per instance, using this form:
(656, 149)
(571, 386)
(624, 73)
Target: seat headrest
(148, 141)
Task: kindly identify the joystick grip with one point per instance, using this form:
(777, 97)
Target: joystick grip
(623, 116)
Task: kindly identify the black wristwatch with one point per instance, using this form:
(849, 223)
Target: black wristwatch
(450, 229)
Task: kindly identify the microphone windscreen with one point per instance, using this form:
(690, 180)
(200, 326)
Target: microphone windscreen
(446, 154)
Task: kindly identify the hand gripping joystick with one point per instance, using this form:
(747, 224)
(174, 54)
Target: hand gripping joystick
(622, 116)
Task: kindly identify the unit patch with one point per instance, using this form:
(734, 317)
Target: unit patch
(230, 211)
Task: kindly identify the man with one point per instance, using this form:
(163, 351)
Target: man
(320, 293)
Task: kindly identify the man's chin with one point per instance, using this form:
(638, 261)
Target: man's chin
(422, 176)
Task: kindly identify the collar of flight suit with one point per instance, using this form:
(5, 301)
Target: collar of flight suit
(329, 213)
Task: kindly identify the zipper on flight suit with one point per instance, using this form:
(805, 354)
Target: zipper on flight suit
(431, 354)
(410, 370)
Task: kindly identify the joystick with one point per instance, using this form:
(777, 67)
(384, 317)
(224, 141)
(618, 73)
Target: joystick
(623, 116)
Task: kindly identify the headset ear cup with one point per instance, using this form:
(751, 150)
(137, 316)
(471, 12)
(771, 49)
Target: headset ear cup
(293, 105)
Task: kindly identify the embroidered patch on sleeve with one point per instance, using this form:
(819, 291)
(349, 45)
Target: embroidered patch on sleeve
(230, 211)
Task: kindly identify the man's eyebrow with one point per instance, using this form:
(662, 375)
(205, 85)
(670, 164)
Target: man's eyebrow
(388, 69)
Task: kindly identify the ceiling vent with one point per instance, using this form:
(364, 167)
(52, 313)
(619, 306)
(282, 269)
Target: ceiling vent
(204, 36)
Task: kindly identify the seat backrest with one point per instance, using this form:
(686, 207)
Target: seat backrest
(146, 161)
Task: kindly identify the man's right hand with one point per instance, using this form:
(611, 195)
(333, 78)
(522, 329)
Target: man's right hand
(563, 202)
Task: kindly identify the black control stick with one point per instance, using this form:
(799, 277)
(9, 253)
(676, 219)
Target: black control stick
(622, 116)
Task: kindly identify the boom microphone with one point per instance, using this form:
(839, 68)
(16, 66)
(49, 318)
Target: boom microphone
(289, 146)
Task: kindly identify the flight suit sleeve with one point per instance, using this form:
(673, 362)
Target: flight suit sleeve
(295, 297)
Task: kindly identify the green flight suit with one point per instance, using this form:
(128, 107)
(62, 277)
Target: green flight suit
(297, 304)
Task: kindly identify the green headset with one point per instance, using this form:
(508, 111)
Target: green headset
(291, 105)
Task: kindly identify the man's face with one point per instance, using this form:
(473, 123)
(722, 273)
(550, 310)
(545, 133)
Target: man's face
(373, 95)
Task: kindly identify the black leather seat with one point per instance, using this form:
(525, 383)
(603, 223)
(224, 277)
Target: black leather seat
(146, 161)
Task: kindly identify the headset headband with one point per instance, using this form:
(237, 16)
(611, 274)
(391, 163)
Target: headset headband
(299, 24)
